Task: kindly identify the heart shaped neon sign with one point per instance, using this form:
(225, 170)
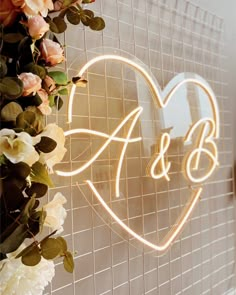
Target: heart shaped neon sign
(206, 129)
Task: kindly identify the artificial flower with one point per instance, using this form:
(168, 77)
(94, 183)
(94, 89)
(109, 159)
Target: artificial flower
(8, 12)
(18, 147)
(52, 52)
(54, 157)
(58, 4)
(49, 83)
(37, 27)
(31, 83)
(34, 7)
(56, 213)
(44, 107)
(19, 279)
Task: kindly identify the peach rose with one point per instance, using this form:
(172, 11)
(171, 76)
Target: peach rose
(8, 12)
(37, 27)
(31, 83)
(44, 107)
(18, 2)
(52, 52)
(34, 7)
(49, 83)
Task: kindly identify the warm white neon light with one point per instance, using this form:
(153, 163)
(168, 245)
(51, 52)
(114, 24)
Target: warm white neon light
(159, 158)
(135, 113)
(209, 130)
(152, 84)
(173, 234)
(204, 139)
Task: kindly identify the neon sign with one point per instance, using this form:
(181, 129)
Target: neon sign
(202, 133)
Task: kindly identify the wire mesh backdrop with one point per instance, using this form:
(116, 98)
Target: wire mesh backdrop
(167, 37)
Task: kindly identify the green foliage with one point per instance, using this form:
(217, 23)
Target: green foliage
(60, 78)
(46, 144)
(50, 248)
(68, 262)
(11, 87)
(39, 174)
(11, 111)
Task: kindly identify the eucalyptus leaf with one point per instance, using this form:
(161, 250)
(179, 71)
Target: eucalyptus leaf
(26, 250)
(25, 119)
(12, 37)
(97, 24)
(73, 16)
(11, 87)
(39, 174)
(14, 240)
(29, 207)
(3, 67)
(46, 144)
(32, 257)
(86, 16)
(68, 262)
(21, 170)
(63, 91)
(59, 77)
(63, 244)
(58, 25)
(50, 248)
(37, 189)
(58, 102)
(10, 111)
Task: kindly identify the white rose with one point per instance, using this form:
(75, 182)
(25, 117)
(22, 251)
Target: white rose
(17, 278)
(18, 147)
(54, 157)
(56, 213)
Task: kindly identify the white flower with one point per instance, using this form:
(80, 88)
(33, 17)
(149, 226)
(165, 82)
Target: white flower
(19, 279)
(54, 157)
(56, 213)
(18, 147)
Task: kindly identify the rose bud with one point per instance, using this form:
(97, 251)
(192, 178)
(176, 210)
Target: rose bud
(37, 27)
(52, 52)
(31, 83)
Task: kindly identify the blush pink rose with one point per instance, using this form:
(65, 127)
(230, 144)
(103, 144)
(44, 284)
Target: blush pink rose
(34, 7)
(37, 27)
(52, 52)
(44, 108)
(31, 83)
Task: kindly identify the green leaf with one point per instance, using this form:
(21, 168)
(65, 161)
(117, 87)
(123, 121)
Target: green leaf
(37, 189)
(58, 102)
(86, 16)
(36, 100)
(58, 25)
(60, 78)
(32, 257)
(79, 82)
(73, 16)
(26, 250)
(46, 144)
(39, 174)
(10, 111)
(39, 123)
(14, 240)
(50, 248)
(21, 170)
(97, 24)
(12, 37)
(11, 87)
(36, 69)
(63, 91)
(68, 262)
(63, 244)
(25, 120)
(29, 207)
(3, 67)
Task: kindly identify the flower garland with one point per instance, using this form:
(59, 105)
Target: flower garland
(29, 148)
